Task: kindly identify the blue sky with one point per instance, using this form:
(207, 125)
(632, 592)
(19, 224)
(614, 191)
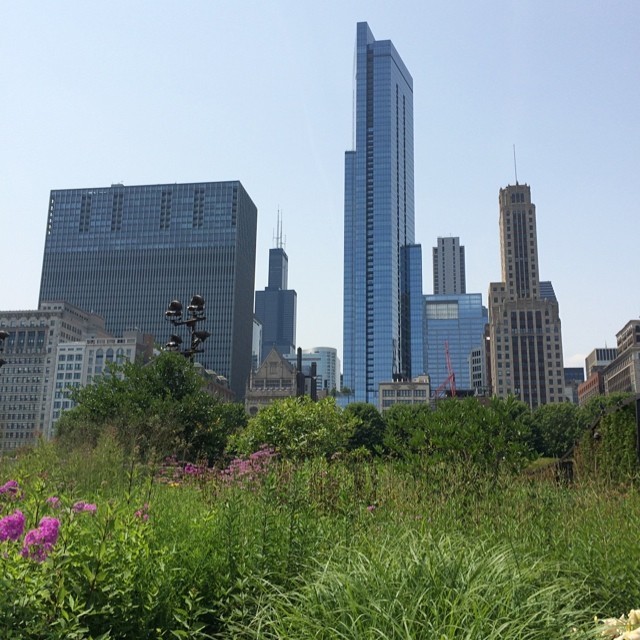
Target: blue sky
(154, 91)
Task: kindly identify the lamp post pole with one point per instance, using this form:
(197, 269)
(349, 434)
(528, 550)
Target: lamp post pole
(195, 314)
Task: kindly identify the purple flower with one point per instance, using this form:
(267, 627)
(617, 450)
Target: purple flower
(53, 501)
(10, 488)
(12, 526)
(84, 506)
(371, 508)
(143, 513)
(39, 542)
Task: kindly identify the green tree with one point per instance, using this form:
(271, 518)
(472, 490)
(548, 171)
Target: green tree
(407, 429)
(159, 407)
(369, 427)
(556, 428)
(297, 428)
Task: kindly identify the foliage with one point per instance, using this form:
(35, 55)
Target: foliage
(368, 429)
(431, 545)
(159, 408)
(608, 450)
(465, 431)
(298, 428)
(406, 429)
(557, 427)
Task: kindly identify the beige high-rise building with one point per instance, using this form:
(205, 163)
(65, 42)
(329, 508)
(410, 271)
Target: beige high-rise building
(524, 320)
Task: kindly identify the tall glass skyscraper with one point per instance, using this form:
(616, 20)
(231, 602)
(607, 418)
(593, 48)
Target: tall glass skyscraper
(125, 252)
(379, 223)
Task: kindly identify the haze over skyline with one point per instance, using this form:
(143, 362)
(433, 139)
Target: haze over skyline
(155, 92)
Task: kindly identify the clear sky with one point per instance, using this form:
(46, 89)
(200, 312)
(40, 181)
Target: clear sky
(147, 92)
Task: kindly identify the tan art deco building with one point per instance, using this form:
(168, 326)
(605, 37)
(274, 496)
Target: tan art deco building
(524, 320)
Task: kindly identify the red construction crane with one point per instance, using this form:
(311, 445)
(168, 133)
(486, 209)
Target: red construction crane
(450, 381)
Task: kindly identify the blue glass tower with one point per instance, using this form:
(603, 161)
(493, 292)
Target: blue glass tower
(459, 321)
(378, 221)
(125, 252)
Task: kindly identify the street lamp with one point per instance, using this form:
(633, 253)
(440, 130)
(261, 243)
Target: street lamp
(195, 314)
(3, 336)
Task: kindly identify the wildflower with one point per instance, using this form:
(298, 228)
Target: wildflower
(80, 506)
(12, 526)
(53, 501)
(143, 513)
(39, 542)
(10, 488)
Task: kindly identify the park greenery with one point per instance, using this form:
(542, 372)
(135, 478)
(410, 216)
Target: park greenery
(161, 512)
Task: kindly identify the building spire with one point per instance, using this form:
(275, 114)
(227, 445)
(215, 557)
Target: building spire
(278, 239)
(515, 166)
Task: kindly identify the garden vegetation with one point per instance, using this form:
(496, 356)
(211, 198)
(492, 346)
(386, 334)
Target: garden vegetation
(158, 513)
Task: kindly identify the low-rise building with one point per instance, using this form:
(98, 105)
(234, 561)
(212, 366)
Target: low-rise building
(402, 391)
(28, 377)
(623, 374)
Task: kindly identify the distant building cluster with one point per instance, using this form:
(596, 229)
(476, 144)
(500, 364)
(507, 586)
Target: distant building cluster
(118, 259)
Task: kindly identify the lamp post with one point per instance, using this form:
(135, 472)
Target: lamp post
(195, 314)
(3, 336)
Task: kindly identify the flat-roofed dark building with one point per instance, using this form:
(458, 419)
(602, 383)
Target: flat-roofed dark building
(125, 252)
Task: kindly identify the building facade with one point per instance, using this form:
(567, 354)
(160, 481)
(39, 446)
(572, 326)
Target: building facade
(599, 358)
(595, 363)
(327, 366)
(455, 323)
(379, 339)
(524, 318)
(448, 267)
(275, 307)
(416, 391)
(622, 375)
(275, 379)
(29, 377)
(573, 378)
(126, 252)
(81, 362)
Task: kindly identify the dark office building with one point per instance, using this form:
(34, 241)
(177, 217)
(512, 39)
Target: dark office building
(125, 252)
(276, 307)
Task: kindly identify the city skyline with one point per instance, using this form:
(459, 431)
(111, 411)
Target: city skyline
(263, 95)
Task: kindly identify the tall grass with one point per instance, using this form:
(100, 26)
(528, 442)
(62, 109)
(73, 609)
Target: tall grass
(342, 549)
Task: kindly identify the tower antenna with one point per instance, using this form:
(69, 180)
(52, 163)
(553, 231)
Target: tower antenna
(515, 166)
(277, 237)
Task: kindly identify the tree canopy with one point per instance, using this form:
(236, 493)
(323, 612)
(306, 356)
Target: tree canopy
(159, 407)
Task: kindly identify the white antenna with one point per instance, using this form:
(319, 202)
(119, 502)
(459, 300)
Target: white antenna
(515, 166)
(277, 237)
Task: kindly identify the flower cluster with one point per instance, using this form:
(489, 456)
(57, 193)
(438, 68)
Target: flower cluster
(10, 489)
(12, 526)
(80, 506)
(143, 513)
(623, 628)
(39, 542)
(247, 470)
(53, 501)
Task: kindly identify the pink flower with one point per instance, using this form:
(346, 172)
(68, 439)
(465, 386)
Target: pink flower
(10, 488)
(143, 513)
(12, 526)
(84, 506)
(39, 542)
(53, 501)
